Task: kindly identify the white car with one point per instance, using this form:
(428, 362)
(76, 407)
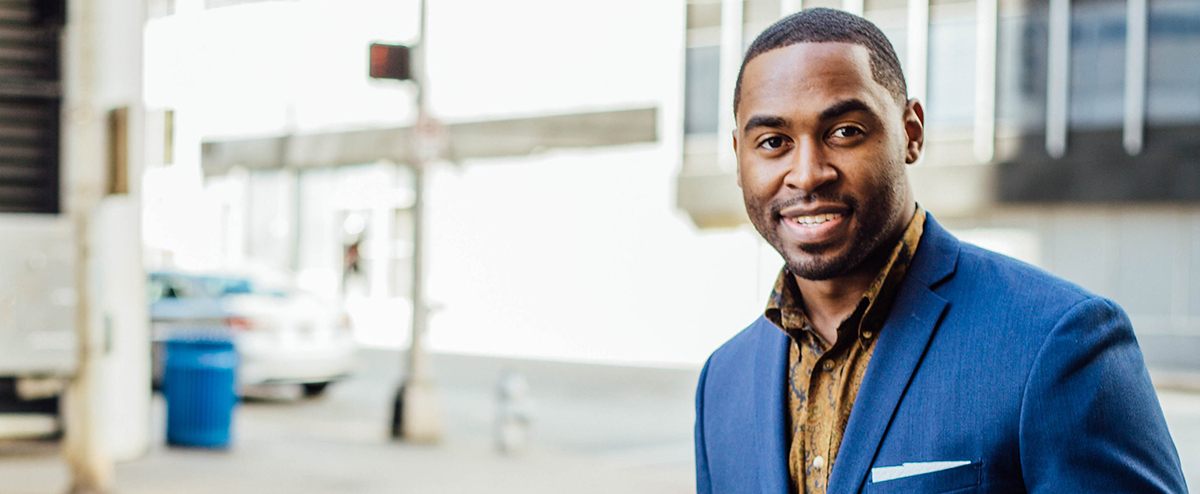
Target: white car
(282, 335)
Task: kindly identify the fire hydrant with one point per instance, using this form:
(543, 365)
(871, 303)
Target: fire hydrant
(514, 412)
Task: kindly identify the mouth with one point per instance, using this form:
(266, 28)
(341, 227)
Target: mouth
(814, 219)
(815, 226)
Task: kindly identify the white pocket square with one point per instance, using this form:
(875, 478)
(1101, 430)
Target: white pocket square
(884, 474)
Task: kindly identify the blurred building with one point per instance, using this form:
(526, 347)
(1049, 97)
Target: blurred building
(564, 156)
(551, 200)
(37, 324)
(74, 139)
(1065, 133)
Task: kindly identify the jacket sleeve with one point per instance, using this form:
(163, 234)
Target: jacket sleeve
(703, 480)
(1090, 419)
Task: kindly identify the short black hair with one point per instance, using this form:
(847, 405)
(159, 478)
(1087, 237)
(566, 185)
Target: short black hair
(822, 25)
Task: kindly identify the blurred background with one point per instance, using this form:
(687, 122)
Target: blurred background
(546, 182)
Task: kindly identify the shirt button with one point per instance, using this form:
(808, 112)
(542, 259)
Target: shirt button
(818, 462)
(868, 334)
(828, 366)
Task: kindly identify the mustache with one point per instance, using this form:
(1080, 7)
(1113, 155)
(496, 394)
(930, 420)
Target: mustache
(777, 206)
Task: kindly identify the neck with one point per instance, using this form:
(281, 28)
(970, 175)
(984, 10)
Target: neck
(829, 302)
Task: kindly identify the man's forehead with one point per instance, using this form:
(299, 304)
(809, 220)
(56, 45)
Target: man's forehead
(810, 62)
(811, 68)
(819, 49)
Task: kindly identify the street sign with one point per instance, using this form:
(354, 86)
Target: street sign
(390, 62)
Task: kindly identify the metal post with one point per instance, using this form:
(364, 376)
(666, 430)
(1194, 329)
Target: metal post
(415, 414)
(84, 448)
(918, 48)
(986, 25)
(1137, 16)
(853, 6)
(1058, 78)
(731, 59)
(789, 7)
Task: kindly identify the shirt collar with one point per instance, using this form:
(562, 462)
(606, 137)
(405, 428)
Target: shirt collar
(785, 307)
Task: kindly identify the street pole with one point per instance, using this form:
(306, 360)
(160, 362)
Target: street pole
(415, 412)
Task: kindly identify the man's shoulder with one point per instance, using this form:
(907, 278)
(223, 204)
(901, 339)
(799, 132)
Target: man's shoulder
(749, 338)
(756, 341)
(1001, 271)
(996, 280)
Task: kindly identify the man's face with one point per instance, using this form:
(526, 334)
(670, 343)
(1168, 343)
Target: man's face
(821, 149)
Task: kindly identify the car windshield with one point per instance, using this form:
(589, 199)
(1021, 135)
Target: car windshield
(168, 285)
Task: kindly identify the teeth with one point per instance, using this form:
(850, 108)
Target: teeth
(816, 219)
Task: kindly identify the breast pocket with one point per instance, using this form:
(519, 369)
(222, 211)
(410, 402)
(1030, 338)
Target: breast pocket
(958, 480)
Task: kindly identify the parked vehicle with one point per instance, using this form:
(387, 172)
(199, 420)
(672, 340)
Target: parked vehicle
(283, 336)
(38, 342)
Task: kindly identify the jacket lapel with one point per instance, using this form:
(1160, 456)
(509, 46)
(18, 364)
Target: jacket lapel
(898, 352)
(769, 409)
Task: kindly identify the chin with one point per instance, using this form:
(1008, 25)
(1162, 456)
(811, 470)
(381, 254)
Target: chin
(819, 267)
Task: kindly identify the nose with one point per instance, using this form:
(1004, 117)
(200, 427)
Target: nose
(809, 169)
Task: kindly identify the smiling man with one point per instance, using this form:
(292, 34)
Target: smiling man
(891, 357)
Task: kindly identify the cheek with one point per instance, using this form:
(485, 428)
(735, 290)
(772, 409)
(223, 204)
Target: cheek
(750, 179)
(886, 180)
(765, 177)
(756, 193)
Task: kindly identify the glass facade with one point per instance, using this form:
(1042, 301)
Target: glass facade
(1021, 63)
(1098, 165)
(701, 91)
(702, 69)
(892, 18)
(1173, 82)
(1097, 75)
(1060, 122)
(951, 93)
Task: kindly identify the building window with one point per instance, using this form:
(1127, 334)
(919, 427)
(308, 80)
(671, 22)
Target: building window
(30, 98)
(1096, 95)
(701, 91)
(1173, 82)
(892, 18)
(757, 16)
(951, 65)
(1021, 60)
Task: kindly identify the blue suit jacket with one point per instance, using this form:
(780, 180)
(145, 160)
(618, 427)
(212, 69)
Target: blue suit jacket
(1036, 382)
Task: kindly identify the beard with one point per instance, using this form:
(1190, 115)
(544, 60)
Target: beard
(875, 221)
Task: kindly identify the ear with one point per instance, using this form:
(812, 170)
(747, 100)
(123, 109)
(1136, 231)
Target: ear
(734, 135)
(914, 130)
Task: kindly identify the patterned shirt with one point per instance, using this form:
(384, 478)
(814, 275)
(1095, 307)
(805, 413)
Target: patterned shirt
(823, 380)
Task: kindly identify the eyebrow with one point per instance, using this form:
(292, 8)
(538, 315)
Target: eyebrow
(843, 107)
(764, 121)
(833, 111)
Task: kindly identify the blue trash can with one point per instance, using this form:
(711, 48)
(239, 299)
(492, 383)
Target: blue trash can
(199, 384)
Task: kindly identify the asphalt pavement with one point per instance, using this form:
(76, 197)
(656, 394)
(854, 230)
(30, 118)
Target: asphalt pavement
(594, 428)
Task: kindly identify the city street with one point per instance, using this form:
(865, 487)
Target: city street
(595, 429)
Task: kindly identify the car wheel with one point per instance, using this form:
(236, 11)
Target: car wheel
(313, 390)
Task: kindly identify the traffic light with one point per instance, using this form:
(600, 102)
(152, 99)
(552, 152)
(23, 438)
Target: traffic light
(390, 62)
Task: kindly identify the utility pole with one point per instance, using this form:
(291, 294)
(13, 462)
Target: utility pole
(415, 413)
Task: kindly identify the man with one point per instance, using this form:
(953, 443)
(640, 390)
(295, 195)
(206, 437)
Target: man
(892, 357)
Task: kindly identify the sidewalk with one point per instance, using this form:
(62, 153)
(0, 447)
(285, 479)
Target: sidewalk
(596, 429)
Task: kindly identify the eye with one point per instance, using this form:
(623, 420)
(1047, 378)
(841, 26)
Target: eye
(847, 132)
(772, 143)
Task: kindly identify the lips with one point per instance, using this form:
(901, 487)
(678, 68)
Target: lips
(815, 219)
(814, 225)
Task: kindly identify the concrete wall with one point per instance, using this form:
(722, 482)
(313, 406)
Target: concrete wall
(108, 402)
(1146, 258)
